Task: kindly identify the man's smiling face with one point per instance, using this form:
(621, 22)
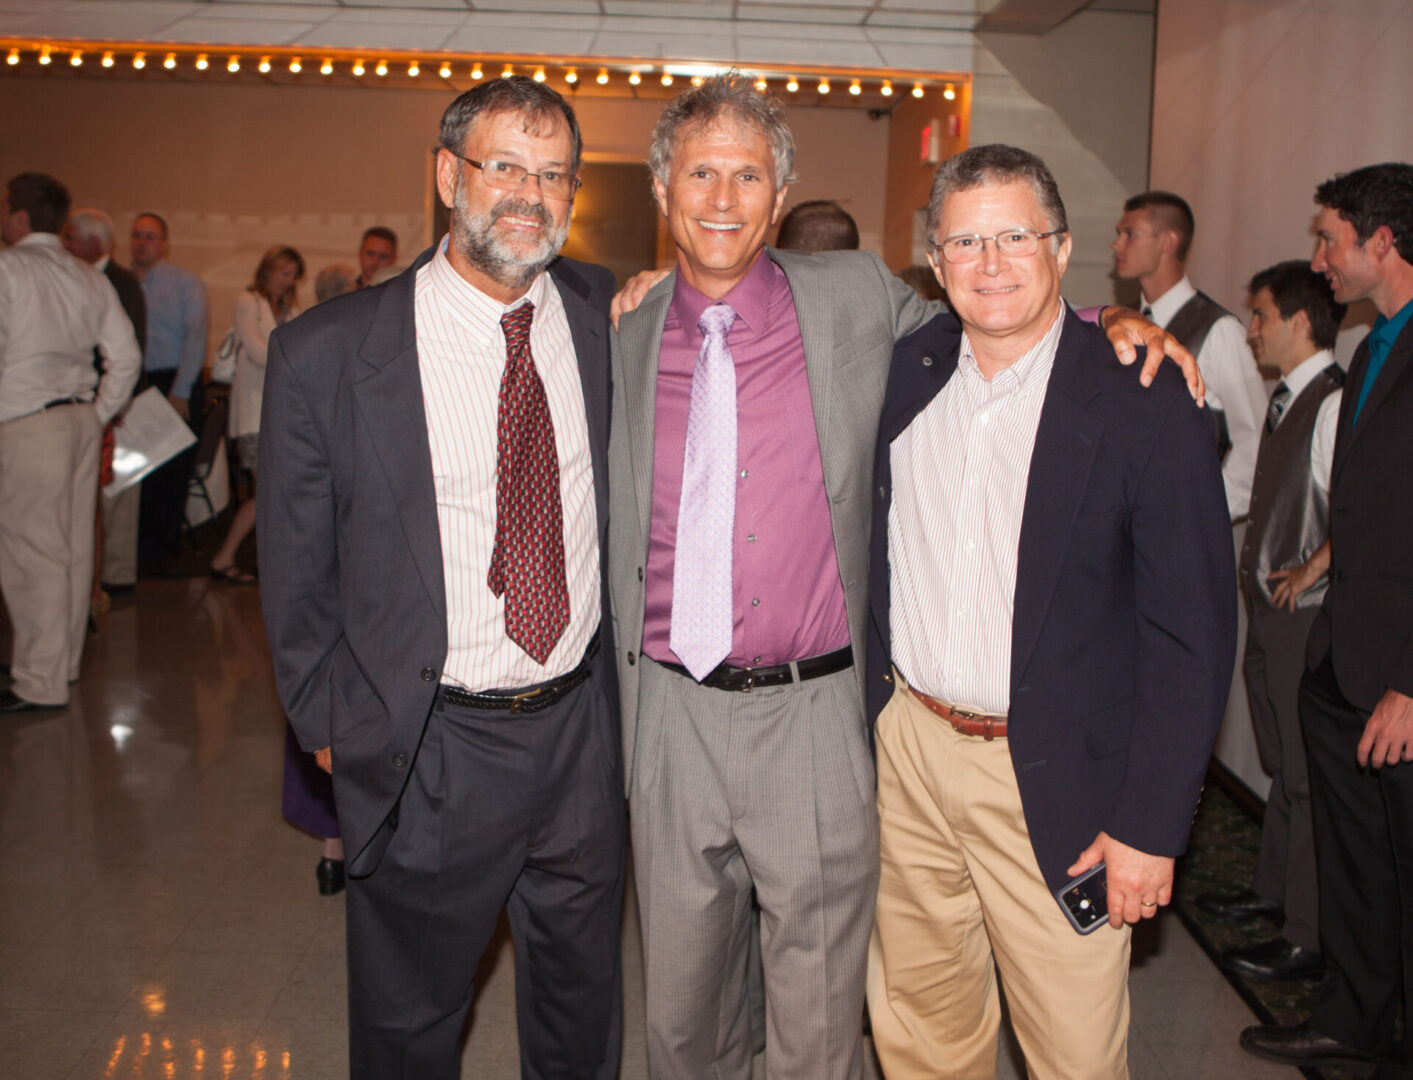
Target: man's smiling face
(720, 202)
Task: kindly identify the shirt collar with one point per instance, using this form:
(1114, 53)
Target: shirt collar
(40, 239)
(479, 313)
(1167, 305)
(1386, 331)
(1305, 371)
(102, 264)
(749, 298)
(1030, 369)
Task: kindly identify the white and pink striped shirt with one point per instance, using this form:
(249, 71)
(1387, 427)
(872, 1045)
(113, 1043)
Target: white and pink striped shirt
(960, 472)
(461, 356)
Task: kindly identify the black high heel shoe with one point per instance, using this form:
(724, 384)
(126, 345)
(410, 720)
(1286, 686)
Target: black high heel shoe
(331, 876)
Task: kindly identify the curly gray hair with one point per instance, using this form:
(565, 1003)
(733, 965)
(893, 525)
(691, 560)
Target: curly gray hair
(730, 94)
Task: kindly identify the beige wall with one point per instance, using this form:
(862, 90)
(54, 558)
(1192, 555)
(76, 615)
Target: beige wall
(1079, 97)
(1255, 104)
(236, 168)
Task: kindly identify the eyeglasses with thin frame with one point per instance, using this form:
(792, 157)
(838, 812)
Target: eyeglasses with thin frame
(508, 176)
(1014, 243)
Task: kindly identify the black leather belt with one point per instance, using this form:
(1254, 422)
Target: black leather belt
(744, 679)
(65, 401)
(525, 701)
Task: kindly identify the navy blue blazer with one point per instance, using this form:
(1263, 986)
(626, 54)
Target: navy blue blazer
(1124, 631)
(351, 575)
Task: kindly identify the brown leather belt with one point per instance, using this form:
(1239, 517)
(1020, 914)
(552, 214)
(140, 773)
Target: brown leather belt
(744, 679)
(964, 720)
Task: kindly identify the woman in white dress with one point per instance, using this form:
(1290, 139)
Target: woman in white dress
(268, 302)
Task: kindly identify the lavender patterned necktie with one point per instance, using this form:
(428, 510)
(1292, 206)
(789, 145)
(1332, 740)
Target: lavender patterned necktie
(702, 614)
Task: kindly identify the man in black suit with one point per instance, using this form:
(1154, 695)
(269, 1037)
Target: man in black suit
(432, 506)
(88, 235)
(1051, 642)
(1356, 697)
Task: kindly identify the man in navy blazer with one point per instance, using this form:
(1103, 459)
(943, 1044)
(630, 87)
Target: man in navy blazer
(471, 730)
(1052, 634)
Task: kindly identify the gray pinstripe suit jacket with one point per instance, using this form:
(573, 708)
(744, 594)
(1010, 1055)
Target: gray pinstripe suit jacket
(851, 311)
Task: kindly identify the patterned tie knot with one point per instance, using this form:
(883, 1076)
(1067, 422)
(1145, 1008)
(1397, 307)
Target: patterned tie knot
(1280, 396)
(516, 325)
(716, 319)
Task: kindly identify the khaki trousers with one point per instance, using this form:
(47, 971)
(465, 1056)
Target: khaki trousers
(48, 484)
(120, 536)
(960, 897)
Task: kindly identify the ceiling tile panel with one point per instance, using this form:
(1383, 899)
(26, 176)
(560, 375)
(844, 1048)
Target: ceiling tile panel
(221, 29)
(686, 9)
(790, 19)
(778, 53)
(540, 7)
(479, 38)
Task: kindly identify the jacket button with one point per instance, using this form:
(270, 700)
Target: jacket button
(428, 674)
(400, 760)
(882, 491)
(927, 361)
(640, 573)
(631, 659)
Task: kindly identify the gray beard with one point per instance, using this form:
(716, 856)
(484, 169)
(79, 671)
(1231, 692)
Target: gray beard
(476, 240)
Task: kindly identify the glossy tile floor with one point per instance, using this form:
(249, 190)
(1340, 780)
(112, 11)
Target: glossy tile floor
(159, 919)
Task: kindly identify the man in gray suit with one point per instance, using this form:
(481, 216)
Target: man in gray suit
(746, 399)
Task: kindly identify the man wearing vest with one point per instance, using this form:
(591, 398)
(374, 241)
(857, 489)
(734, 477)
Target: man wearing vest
(1151, 245)
(1284, 558)
(1356, 695)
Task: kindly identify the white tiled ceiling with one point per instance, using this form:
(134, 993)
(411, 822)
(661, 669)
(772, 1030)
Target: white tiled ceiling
(913, 34)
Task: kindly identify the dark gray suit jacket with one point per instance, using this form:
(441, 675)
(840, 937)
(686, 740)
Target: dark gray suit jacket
(350, 552)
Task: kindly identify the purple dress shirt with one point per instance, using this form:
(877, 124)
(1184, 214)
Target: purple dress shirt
(788, 601)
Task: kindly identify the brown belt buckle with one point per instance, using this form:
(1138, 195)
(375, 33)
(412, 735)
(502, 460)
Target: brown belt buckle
(524, 696)
(988, 731)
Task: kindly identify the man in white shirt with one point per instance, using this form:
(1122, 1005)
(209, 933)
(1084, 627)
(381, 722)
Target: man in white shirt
(1284, 559)
(1151, 245)
(432, 504)
(1051, 643)
(54, 311)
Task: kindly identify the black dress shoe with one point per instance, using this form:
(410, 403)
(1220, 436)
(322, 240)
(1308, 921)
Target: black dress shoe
(1272, 960)
(1301, 1046)
(11, 702)
(331, 876)
(1238, 907)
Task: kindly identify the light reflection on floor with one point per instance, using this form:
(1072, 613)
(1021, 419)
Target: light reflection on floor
(158, 918)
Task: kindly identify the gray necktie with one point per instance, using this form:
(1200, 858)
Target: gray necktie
(702, 615)
(1280, 398)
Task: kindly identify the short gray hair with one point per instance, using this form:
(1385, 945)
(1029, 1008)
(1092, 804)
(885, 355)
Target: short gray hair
(730, 95)
(91, 224)
(995, 163)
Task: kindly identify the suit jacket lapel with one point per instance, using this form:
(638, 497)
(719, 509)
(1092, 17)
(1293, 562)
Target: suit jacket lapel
(586, 329)
(813, 295)
(1395, 365)
(388, 391)
(1065, 445)
(641, 333)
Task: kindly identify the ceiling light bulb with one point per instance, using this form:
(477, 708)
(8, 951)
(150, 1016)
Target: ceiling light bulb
(169, 61)
(667, 78)
(917, 89)
(697, 80)
(233, 64)
(508, 71)
(44, 55)
(793, 85)
(295, 67)
(327, 67)
(382, 68)
(571, 76)
(477, 73)
(634, 78)
(761, 84)
(76, 59)
(139, 60)
(107, 60)
(602, 77)
(855, 88)
(887, 88)
(539, 75)
(265, 65)
(413, 70)
(358, 68)
(13, 58)
(445, 70)
(824, 86)
(201, 62)
(949, 92)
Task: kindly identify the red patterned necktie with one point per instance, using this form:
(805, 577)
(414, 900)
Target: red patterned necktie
(527, 563)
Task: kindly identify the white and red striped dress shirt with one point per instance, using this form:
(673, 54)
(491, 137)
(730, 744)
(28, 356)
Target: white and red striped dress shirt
(960, 472)
(461, 356)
